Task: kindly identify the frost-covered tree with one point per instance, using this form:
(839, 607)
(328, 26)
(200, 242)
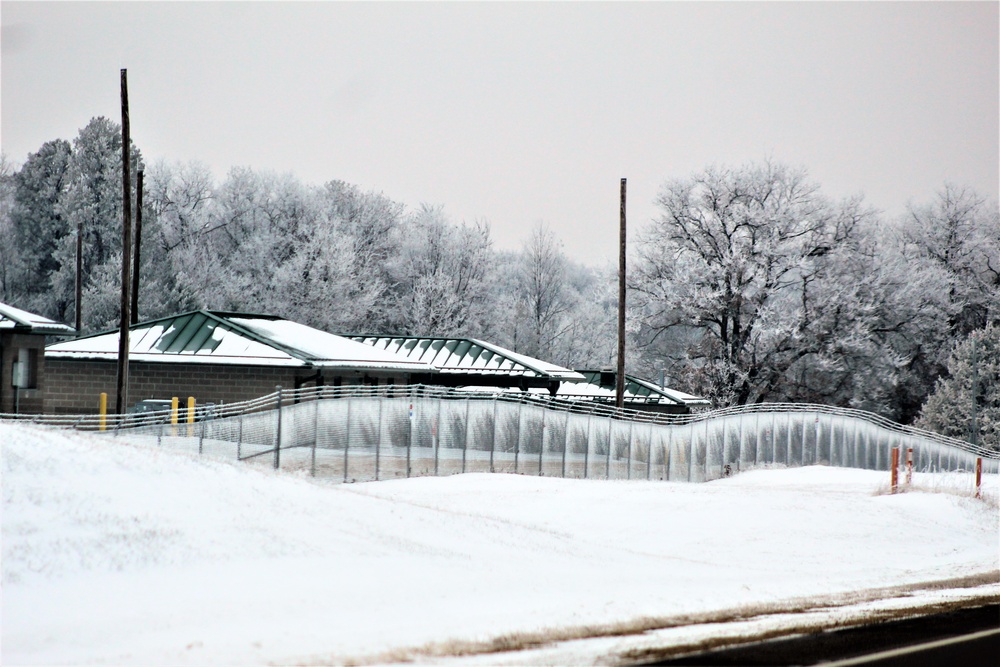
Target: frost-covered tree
(440, 276)
(959, 232)
(176, 264)
(8, 240)
(544, 299)
(92, 196)
(36, 229)
(589, 339)
(740, 266)
(969, 395)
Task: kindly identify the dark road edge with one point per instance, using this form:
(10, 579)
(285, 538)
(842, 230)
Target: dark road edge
(880, 642)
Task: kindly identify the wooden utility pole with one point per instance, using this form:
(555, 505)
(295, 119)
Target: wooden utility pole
(138, 244)
(79, 277)
(620, 375)
(121, 400)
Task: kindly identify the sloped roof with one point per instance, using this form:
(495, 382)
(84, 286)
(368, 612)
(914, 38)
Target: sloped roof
(12, 318)
(637, 390)
(216, 337)
(468, 355)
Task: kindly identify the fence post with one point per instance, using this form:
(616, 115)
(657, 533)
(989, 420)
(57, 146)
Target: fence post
(979, 477)
(586, 449)
(436, 437)
(312, 465)
(909, 466)
(631, 430)
(277, 433)
(465, 442)
(649, 454)
(725, 446)
(517, 444)
(611, 440)
(190, 416)
(347, 438)
(691, 446)
(239, 440)
(378, 438)
(493, 443)
(565, 444)
(666, 452)
(894, 474)
(409, 439)
(541, 443)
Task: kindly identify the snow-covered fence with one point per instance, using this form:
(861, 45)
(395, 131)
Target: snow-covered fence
(358, 433)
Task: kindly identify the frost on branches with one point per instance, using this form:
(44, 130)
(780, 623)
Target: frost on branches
(966, 403)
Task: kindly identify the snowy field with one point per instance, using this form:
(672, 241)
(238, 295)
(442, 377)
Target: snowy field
(118, 553)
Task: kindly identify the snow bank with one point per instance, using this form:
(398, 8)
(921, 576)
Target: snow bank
(125, 554)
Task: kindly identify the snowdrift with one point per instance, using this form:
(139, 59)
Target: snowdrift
(121, 553)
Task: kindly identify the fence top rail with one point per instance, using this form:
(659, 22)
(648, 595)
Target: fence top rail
(284, 397)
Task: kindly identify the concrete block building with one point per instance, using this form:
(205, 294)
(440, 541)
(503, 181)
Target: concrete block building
(23, 380)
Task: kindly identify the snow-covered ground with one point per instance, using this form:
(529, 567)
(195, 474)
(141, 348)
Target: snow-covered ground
(115, 553)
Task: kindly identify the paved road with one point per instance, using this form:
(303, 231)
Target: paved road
(915, 642)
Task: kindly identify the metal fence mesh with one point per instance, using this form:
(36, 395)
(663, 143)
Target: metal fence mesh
(369, 433)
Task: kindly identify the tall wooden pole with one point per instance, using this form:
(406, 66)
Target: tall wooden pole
(79, 278)
(121, 400)
(138, 245)
(620, 375)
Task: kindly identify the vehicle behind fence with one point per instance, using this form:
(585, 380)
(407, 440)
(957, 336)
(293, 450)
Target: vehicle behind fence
(361, 433)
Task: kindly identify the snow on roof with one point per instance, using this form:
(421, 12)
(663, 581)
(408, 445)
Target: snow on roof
(636, 390)
(468, 355)
(15, 318)
(326, 349)
(222, 338)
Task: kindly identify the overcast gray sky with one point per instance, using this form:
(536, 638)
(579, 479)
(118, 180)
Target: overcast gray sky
(518, 113)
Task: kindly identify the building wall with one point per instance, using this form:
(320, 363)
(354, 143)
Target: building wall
(29, 401)
(75, 386)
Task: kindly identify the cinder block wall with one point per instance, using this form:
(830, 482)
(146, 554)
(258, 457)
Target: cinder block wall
(74, 386)
(30, 401)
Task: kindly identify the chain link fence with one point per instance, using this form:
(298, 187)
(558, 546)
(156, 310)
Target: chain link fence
(362, 433)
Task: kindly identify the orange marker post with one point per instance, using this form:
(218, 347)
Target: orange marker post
(190, 417)
(909, 466)
(979, 477)
(894, 475)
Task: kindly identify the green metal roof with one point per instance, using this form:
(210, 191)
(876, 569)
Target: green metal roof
(468, 355)
(638, 389)
(235, 338)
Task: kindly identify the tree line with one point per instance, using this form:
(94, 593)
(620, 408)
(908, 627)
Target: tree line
(750, 285)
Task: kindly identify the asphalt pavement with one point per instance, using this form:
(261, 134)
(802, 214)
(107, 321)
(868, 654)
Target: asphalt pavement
(968, 637)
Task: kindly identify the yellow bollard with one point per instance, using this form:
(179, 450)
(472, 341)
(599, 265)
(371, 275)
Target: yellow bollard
(190, 418)
(104, 411)
(173, 416)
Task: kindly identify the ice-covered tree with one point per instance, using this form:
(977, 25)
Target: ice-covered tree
(740, 266)
(959, 232)
(968, 397)
(543, 294)
(440, 276)
(37, 227)
(8, 240)
(92, 196)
